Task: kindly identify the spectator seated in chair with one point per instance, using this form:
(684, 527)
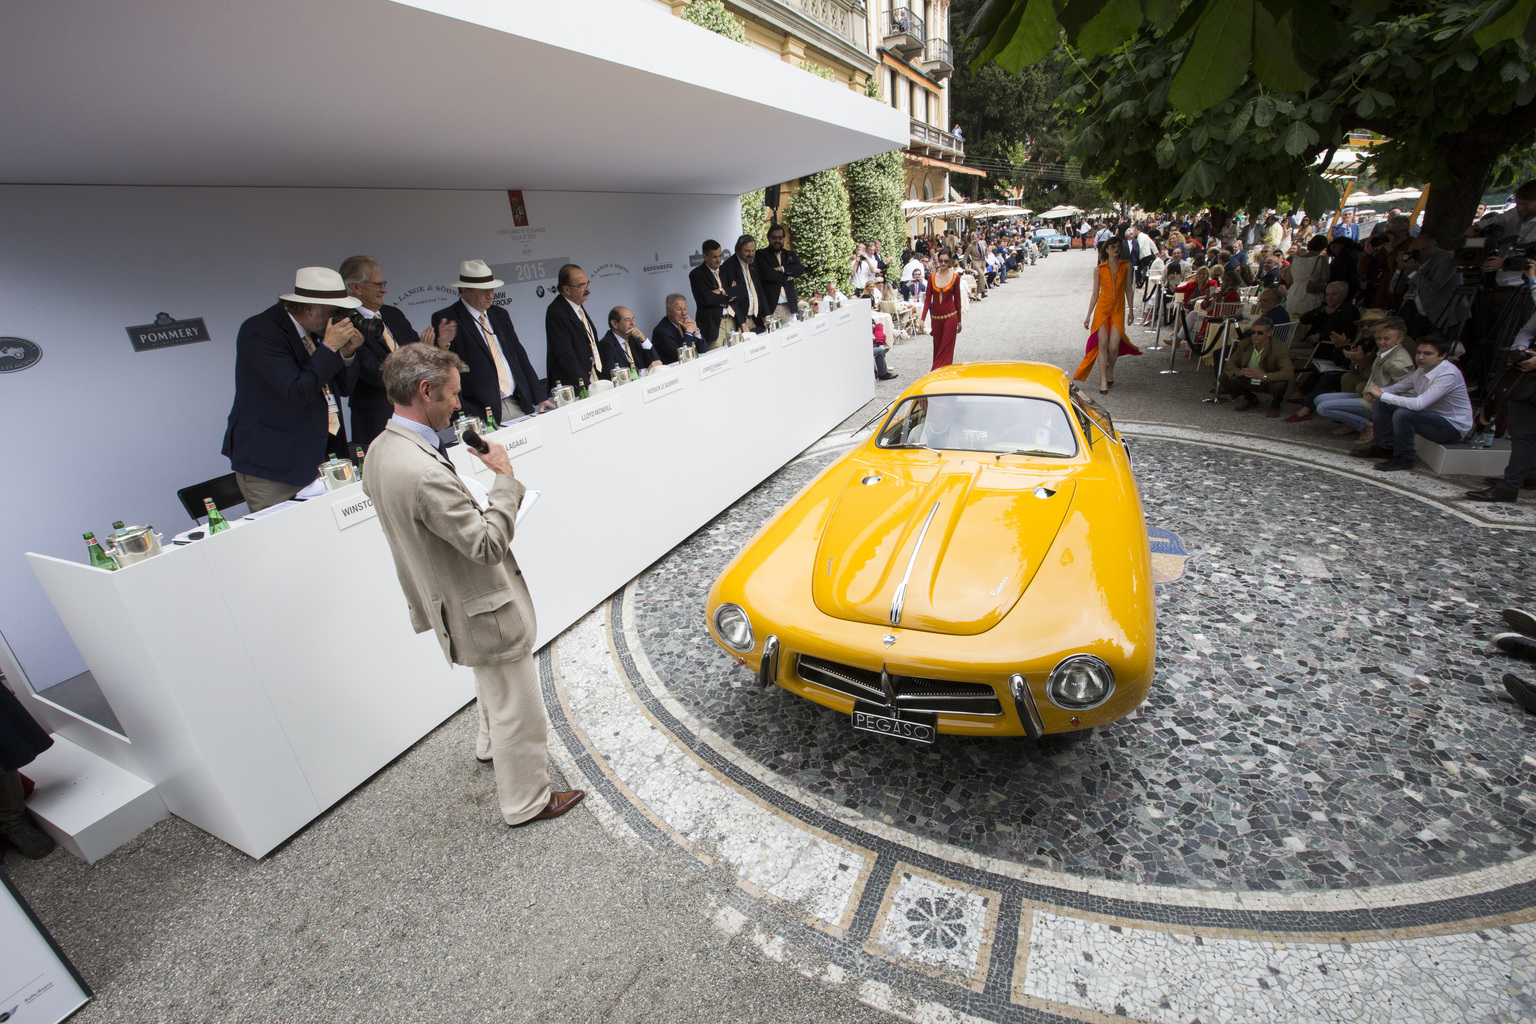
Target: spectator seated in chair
(1431, 401)
(1259, 365)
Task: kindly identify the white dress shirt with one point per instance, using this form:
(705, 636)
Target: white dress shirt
(1442, 391)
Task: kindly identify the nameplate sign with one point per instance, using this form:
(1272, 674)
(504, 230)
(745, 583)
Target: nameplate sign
(594, 411)
(820, 324)
(788, 338)
(657, 386)
(520, 443)
(758, 349)
(353, 511)
(715, 366)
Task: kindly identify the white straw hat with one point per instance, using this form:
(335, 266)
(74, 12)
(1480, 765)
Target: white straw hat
(320, 286)
(475, 274)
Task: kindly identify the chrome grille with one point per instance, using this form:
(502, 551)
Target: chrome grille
(913, 693)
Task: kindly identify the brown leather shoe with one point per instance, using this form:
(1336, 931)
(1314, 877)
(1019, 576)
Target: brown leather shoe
(560, 801)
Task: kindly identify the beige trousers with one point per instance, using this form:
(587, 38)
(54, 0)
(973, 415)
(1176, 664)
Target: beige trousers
(260, 493)
(514, 735)
(727, 325)
(784, 313)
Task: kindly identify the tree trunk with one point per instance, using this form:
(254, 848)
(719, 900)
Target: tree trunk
(1470, 155)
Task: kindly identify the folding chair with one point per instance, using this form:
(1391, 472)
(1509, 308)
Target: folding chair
(1220, 341)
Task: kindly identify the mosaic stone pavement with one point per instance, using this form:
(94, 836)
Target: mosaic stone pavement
(1323, 716)
(1317, 816)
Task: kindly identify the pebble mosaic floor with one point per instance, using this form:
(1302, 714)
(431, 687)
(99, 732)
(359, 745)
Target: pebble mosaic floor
(1320, 809)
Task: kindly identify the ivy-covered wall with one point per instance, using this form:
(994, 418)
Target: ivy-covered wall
(817, 222)
(876, 187)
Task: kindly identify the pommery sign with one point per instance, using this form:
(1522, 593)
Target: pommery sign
(165, 332)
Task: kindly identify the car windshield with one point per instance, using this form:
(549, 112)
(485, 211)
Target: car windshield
(999, 424)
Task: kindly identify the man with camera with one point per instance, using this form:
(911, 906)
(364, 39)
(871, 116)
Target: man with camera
(384, 329)
(1514, 228)
(1432, 300)
(291, 361)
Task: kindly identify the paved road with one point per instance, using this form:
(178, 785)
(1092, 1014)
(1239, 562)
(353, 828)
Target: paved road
(407, 902)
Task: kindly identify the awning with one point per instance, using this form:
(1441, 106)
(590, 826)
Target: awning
(1057, 212)
(584, 95)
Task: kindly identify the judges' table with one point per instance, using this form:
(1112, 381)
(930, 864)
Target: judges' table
(263, 673)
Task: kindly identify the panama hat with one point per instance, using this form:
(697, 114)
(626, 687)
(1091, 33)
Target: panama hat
(475, 274)
(320, 286)
(1370, 316)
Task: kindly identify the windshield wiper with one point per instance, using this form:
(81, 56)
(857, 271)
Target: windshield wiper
(911, 444)
(1038, 451)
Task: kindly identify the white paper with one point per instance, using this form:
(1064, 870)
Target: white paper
(529, 497)
(482, 497)
(314, 490)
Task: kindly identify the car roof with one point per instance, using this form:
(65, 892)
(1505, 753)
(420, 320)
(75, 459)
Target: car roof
(1028, 380)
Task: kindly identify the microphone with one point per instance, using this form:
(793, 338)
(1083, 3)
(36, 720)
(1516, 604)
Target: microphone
(475, 441)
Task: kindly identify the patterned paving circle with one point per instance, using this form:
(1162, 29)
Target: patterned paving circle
(1324, 715)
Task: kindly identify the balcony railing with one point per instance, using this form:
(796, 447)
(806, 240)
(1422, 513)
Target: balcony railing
(904, 31)
(938, 59)
(924, 134)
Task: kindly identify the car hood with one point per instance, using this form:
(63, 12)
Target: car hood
(967, 539)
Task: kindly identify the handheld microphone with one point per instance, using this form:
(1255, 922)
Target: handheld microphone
(475, 441)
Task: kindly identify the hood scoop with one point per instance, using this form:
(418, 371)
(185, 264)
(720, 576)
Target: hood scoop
(949, 554)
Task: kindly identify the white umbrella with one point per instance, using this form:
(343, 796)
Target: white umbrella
(1058, 212)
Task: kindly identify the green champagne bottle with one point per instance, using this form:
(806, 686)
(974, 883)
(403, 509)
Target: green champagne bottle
(118, 525)
(99, 558)
(490, 421)
(216, 520)
(357, 457)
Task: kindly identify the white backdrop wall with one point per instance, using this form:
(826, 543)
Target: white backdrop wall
(95, 431)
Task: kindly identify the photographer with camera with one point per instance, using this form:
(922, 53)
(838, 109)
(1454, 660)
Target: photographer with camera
(1513, 230)
(291, 361)
(384, 329)
(1433, 302)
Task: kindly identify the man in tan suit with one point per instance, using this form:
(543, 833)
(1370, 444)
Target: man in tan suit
(1259, 365)
(460, 579)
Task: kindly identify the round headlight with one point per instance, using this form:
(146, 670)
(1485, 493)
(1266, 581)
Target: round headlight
(1080, 682)
(734, 627)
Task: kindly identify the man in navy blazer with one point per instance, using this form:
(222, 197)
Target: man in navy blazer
(675, 330)
(741, 272)
(371, 407)
(778, 267)
(573, 355)
(720, 302)
(291, 363)
(500, 377)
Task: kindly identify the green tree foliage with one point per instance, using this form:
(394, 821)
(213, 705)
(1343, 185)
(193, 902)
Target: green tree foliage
(1416, 73)
(711, 14)
(818, 70)
(876, 187)
(818, 226)
(754, 217)
(1284, 45)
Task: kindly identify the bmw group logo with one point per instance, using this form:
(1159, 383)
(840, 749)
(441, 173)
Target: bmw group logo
(540, 291)
(18, 354)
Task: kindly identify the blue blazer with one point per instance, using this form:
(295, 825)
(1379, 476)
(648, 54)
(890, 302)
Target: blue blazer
(666, 339)
(277, 424)
(371, 407)
(568, 357)
(479, 389)
(773, 278)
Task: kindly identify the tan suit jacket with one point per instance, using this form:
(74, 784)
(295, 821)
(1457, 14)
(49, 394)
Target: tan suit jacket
(454, 559)
(1386, 372)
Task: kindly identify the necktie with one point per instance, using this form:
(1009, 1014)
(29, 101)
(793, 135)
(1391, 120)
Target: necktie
(332, 418)
(729, 310)
(389, 339)
(597, 359)
(746, 275)
(503, 372)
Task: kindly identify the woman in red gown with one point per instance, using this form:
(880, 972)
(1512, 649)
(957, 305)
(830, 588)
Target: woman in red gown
(942, 300)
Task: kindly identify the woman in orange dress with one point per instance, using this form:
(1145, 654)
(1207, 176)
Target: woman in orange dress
(1108, 310)
(942, 299)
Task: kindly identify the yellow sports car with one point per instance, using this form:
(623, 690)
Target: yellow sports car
(978, 567)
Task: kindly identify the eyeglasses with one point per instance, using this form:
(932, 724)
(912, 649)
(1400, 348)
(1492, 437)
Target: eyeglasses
(376, 284)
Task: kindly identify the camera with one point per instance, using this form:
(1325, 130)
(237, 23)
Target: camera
(1490, 243)
(371, 328)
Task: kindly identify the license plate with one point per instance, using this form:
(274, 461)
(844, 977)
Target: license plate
(914, 726)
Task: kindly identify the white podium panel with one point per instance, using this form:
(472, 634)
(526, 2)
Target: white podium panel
(264, 673)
